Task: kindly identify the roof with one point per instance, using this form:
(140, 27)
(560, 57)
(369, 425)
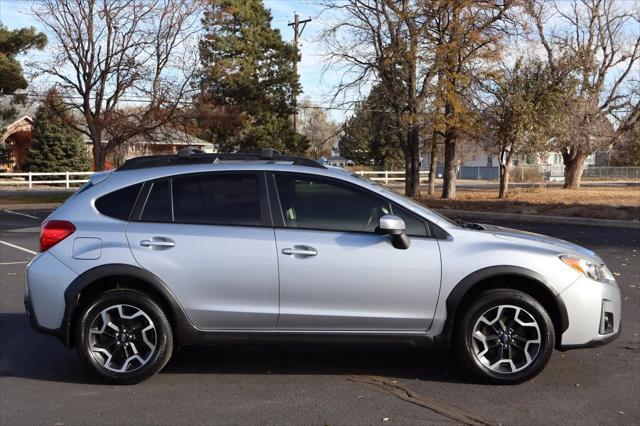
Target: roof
(24, 123)
(164, 136)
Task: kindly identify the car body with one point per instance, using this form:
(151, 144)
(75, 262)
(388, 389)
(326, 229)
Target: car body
(274, 247)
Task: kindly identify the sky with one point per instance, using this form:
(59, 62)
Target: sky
(316, 85)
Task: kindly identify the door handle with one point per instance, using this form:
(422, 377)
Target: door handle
(303, 251)
(164, 243)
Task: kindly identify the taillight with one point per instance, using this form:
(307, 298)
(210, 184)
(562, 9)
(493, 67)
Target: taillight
(53, 232)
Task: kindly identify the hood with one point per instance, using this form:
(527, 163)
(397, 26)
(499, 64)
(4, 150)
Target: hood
(558, 244)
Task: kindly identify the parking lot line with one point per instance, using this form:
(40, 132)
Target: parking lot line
(21, 214)
(13, 263)
(18, 247)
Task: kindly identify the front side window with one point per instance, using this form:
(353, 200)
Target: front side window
(318, 204)
(414, 225)
(218, 199)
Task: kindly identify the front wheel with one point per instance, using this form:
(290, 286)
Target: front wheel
(124, 336)
(505, 337)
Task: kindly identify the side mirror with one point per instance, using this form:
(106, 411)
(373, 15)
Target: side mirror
(394, 226)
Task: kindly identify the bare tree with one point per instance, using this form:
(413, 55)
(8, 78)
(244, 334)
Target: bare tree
(382, 42)
(318, 128)
(110, 53)
(602, 40)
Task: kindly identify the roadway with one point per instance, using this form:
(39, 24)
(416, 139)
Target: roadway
(42, 382)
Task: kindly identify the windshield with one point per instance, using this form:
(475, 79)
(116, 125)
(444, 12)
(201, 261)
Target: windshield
(408, 200)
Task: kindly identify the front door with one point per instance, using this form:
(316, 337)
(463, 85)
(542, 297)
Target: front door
(210, 248)
(337, 274)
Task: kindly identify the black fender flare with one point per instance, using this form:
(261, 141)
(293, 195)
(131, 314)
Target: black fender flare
(82, 281)
(468, 283)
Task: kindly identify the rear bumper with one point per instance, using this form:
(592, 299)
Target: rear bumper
(595, 313)
(44, 300)
(60, 333)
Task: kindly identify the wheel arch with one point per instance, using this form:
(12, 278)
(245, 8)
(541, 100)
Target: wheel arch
(97, 280)
(508, 277)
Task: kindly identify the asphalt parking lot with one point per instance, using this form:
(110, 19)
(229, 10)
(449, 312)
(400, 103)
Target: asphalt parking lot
(41, 382)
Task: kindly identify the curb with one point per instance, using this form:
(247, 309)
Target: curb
(527, 218)
(530, 218)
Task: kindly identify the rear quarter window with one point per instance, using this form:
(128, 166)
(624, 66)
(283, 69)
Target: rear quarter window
(118, 204)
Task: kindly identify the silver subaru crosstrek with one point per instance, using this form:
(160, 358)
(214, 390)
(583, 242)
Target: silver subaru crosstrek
(199, 248)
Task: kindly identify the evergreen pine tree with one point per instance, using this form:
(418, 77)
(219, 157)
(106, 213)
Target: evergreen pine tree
(247, 79)
(368, 137)
(12, 43)
(55, 146)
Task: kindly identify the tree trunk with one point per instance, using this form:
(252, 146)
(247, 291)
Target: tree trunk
(414, 149)
(433, 166)
(573, 168)
(504, 180)
(449, 175)
(407, 172)
(99, 157)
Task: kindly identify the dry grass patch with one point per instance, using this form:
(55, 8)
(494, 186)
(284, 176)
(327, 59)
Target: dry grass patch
(621, 203)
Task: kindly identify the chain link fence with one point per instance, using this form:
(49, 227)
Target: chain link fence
(521, 173)
(613, 173)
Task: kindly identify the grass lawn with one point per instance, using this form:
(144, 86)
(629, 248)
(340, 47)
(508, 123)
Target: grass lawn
(7, 197)
(620, 203)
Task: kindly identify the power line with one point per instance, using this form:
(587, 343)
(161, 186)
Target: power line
(39, 96)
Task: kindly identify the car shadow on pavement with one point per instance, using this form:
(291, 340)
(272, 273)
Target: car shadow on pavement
(374, 359)
(28, 354)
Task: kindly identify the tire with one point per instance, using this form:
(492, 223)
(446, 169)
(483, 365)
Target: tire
(124, 337)
(492, 314)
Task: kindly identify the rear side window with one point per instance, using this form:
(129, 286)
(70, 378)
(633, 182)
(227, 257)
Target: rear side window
(220, 199)
(119, 204)
(158, 205)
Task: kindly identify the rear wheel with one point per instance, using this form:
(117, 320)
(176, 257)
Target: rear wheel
(505, 337)
(124, 336)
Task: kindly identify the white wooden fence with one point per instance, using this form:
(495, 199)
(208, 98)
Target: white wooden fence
(67, 178)
(386, 176)
(391, 176)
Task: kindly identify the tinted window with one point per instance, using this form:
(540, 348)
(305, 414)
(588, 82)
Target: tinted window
(319, 204)
(158, 205)
(231, 199)
(119, 204)
(414, 225)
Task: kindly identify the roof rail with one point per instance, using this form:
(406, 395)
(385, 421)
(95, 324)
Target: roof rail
(191, 155)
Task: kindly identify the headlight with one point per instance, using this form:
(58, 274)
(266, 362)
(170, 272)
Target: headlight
(595, 271)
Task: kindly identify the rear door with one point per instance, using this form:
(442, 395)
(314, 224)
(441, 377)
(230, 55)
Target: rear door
(337, 273)
(208, 237)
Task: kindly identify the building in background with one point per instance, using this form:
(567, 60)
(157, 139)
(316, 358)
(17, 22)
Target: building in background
(165, 140)
(16, 141)
(476, 162)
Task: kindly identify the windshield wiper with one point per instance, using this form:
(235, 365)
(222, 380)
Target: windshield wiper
(469, 225)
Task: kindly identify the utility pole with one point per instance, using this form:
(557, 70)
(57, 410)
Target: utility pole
(297, 32)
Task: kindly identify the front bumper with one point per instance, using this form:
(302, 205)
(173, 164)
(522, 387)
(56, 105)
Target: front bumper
(594, 310)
